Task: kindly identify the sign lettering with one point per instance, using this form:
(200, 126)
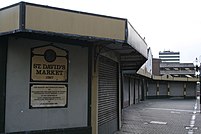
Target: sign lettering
(51, 64)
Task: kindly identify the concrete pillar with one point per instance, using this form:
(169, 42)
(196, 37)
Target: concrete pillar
(168, 88)
(157, 91)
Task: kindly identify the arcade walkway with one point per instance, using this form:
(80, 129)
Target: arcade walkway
(162, 116)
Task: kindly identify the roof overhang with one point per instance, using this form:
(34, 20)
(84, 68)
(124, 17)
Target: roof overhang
(37, 21)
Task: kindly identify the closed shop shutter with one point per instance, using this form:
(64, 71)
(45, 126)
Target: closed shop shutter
(107, 96)
(152, 88)
(163, 89)
(140, 90)
(136, 91)
(126, 91)
(190, 89)
(132, 89)
(176, 89)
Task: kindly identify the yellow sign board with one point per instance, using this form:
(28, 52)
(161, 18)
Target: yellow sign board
(49, 63)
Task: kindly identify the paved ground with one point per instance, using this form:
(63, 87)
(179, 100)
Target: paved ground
(162, 116)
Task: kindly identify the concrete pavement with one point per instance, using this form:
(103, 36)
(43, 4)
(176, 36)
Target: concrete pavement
(162, 116)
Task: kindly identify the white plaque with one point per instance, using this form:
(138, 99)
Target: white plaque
(44, 96)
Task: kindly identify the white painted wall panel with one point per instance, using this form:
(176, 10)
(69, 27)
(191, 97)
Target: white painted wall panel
(18, 115)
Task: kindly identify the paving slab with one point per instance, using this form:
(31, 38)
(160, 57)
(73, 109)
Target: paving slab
(162, 116)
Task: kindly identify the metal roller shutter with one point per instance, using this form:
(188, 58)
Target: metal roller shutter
(107, 95)
(190, 89)
(176, 89)
(126, 91)
(132, 91)
(140, 90)
(163, 89)
(136, 91)
(152, 88)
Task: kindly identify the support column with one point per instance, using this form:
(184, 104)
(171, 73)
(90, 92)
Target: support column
(200, 90)
(94, 103)
(184, 90)
(120, 96)
(157, 91)
(168, 90)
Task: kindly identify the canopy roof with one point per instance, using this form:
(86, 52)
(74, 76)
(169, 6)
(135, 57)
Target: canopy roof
(44, 22)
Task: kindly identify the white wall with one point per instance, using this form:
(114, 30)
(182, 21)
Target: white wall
(18, 115)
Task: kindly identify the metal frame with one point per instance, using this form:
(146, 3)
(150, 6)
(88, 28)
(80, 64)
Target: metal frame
(77, 130)
(3, 60)
(90, 51)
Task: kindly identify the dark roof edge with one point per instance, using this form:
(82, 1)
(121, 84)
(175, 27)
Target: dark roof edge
(62, 35)
(13, 5)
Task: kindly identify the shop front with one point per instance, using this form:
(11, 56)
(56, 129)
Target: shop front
(60, 72)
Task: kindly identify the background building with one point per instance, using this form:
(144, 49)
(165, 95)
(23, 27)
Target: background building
(169, 64)
(169, 56)
(170, 78)
(156, 66)
(177, 69)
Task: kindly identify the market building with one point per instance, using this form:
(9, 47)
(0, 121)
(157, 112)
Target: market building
(135, 85)
(172, 79)
(61, 71)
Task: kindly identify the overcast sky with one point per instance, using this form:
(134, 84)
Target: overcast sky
(173, 25)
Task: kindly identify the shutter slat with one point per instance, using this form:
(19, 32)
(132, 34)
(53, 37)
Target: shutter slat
(107, 91)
